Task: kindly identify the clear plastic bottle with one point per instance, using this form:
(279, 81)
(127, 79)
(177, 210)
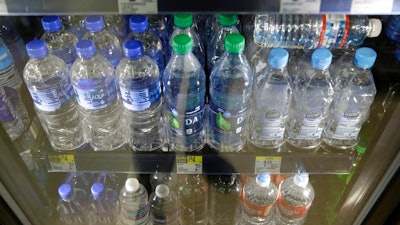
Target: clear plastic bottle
(103, 206)
(354, 94)
(9, 118)
(258, 200)
(314, 31)
(139, 81)
(107, 44)
(184, 91)
(135, 208)
(79, 181)
(139, 30)
(312, 96)
(117, 25)
(215, 48)
(231, 84)
(294, 201)
(112, 181)
(72, 205)
(47, 79)
(170, 179)
(60, 42)
(74, 24)
(271, 98)
(158, 25)
(164, 206)
(92, 77)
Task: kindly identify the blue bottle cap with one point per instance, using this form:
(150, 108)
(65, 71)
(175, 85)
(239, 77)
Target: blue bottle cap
(64, 190)
(263, 179)
(85, 49)
(321, 58)
(97, 189)
(94, 23)
(365, 58)
(37, 49)
(301, 179)
(138, 23)
(51, 23)
(133, 49)
(278, 58)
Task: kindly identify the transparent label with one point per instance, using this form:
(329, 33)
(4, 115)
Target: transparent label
(291, 212)
(227, 122)
(136, 216)
(272, 129)
(94, 94)
(347, 127)
(253, 210)
(192, 122)
(310, 127)
(141, 99)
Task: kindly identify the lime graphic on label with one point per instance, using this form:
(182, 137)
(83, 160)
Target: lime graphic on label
(222, 123)
(174, 122)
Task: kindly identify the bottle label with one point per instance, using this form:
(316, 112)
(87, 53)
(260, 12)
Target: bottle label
(7, 112)
(141, 99)
(227, 122)
(255, 210)
(192, 122)
(95, 94)
(347, 127)
(5, 56)
(272, 128)
(310, 127)
(136, 215)
(335, 30)
(164, 217)
(290, 211)
(51, 99)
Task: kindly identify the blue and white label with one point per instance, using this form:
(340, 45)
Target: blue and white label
(310, 127)
(141, 99)
(335, 25)
(349, 125)
(5, 57)
(137, 216)
(192, 122)
(95, 94)
(272, 128)
(227, 122)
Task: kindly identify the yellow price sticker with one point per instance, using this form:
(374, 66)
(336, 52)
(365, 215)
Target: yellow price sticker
(62, 158)
(268, 158)
(194, 159)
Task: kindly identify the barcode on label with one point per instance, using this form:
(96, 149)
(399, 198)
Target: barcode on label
(138, 6)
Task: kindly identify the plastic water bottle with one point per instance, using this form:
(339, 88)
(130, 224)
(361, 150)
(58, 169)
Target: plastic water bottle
(314, 31)
(94, 83)
(117, 25)
(164, 206)
(139, 30)
(258, 200)
(169, 179)
(139, 81)
(224, 199)
(47, 79)
(8, 116)
(193, 196)
(270, 103)
(72, 205)
(231, 84)
(215, 49)
(353, 96)
(74, 24)
(184, 25)
(103, 206)
(107, 44)
(79, 181)
(158, 25)
(135, 208)
(184, 91)
(294, 201)
(312, 96)
(60, 42)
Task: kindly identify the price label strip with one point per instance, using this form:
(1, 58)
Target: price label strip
(300, 6)
(138, 6)
(371, 6)
(3, 6)
(189, 164)
(62, 162)
(266, 164)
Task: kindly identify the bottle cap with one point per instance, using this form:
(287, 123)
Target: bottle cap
(182, 44)
(321, 58)
(138, 23)
(234, 43)
(132, 184)
(263, 179)
(37, 49)
(97, 189)
(64, 190)
(278, 58)
(51, 23)
(94, 23)
(376, 27)
(227, 20)
(365, 58)
(133, 49)
(301, 179)
(85, 49)
(162, 191)
(183, 20)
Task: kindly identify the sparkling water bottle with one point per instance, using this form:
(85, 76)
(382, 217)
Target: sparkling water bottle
(8, 116)
(103, 206)
(46, 77)
(184, 92)
(139, 30)
(107, 44)
(215, 48)
(231, 83)
(74, 24)
(60, 42)
(139, 81)
(134, 202)
(164, 206)
(72, 205)
(312, 96)
(94, 83)
(354, 94)
(314, 31)
(270, 102)
(294, 201)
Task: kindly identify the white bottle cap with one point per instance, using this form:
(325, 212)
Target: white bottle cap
(376, 27)
(162, 190)
(132, 184)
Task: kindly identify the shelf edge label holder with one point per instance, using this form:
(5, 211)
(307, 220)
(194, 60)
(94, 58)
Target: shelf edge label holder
(268, 164)
(138, 6)
(189, 164)
(62, 163)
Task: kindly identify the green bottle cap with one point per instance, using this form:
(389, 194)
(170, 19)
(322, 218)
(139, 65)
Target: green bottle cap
(234, 43)
(182, 44)
(227, 20)
(183, 20)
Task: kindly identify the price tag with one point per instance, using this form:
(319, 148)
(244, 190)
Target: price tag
(266, 164)
(138, 6)
(62, 162)
(300, 6)
(371, 6)
(189, 164)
